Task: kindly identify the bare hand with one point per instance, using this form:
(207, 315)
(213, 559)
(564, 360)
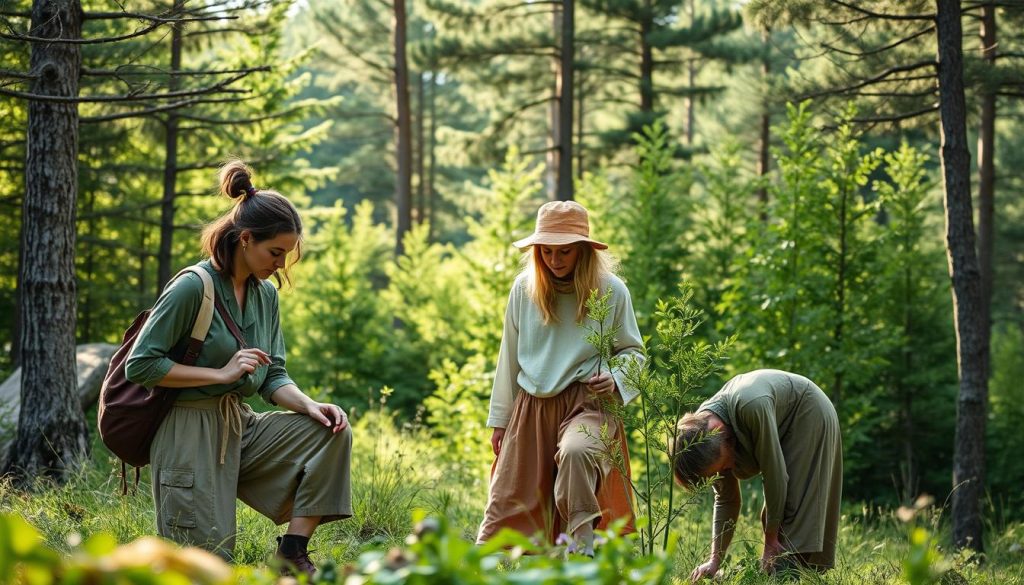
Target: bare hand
(601, 384)
(708, 569)
(496, 438)
(245, 361)
(328, 415)
(772, 549)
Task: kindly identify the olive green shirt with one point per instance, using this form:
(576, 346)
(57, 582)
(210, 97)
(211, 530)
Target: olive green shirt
(760, 407)
(171, 320)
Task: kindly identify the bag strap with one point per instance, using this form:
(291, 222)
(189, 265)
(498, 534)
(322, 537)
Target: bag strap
(226, 316)
(203, 318)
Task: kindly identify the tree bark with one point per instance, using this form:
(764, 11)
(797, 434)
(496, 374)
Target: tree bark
(52, 438)
(580, 95)
(170, 163)
(420, 148)
(403, 145)
(565, 102)
(646, 66)
(972, 347)
(16, 334)
(431, 159)
(691, 73)
(987, 173)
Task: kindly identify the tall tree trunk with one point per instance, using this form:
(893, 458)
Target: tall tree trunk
(431, 164)
(844, 246)
(170, 163)
(565, 102)
(987, 172)
(16, 334)
(89, 268)
(403, 146)
(691, 73)
(646, 65)
(553, 140)
(52, 437)
(580, 95)
(971, 345)
(420, 148)
(765, 134)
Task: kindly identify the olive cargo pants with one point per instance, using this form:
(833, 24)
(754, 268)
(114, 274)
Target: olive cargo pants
(281, 464)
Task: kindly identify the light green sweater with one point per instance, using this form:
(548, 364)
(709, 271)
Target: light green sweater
(543, 360)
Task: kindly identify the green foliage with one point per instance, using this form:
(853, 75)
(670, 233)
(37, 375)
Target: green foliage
(456, 415)
(437, 554)
(1005, 442)
(722, 223)
(479, 276)
(653, 218)
(335, 323)
(829, 284)
(602, 338)
(666, 389)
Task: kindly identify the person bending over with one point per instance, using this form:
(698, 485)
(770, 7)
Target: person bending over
(782, 426)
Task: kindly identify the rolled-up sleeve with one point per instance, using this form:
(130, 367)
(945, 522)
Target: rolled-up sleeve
(628, 345)
(277, 374)
(169, 322)
(507, 373)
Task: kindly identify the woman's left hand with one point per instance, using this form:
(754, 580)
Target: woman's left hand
(328, 415)
(601, 384)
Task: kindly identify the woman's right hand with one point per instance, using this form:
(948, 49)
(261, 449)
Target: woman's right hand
(245, 361)
(708, 570)
(496, 438)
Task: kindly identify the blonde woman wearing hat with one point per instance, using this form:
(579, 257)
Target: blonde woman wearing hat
(549, 476)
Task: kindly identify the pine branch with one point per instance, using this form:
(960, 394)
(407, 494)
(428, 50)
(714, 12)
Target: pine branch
(977, 5)
(151, 18)
(121, 71)
(220, 87)
(897, 94)
(897, 117)
(157, 23)
(881, 77)
(138, 113)
(216, 31)
(861, 54)
(11, 74)
(509, 116)
(216, 121)
(880, 15)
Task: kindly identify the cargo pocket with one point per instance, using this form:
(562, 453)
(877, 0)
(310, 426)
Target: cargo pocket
(177, 506)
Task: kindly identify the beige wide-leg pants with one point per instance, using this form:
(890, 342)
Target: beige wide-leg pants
(281, 464)
(550, 477)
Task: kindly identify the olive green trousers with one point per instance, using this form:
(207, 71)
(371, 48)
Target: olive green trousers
(209, 452)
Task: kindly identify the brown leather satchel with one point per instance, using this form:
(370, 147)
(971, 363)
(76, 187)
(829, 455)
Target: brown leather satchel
(130, 414)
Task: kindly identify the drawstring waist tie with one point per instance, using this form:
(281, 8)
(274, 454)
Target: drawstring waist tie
(230, 411)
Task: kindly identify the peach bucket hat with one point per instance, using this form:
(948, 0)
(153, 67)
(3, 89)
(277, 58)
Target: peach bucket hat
(560, 223)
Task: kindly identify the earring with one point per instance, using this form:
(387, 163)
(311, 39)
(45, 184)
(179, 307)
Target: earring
(244, 246)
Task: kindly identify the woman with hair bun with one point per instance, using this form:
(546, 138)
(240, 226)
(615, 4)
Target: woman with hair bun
(290, 466)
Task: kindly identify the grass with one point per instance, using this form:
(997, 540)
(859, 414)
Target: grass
(397, 470)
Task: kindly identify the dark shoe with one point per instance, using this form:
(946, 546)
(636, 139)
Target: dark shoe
(295, 562)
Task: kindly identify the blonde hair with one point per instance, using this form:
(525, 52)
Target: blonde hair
(592, 266)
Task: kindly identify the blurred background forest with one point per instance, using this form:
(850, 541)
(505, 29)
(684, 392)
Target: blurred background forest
(780, 158)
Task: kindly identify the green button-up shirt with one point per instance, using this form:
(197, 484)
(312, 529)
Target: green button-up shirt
(171, 320)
